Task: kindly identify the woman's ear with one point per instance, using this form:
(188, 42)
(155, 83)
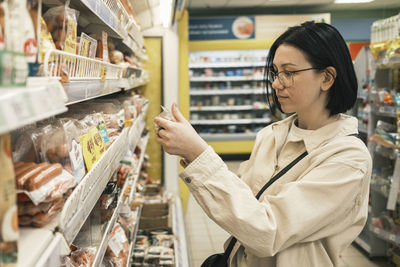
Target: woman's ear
(329, 78)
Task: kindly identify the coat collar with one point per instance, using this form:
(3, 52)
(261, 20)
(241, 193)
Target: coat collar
(344, 125)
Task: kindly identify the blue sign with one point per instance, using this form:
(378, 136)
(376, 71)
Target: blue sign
(221, 28)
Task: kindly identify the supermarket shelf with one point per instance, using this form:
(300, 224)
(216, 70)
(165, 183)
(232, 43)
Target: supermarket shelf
(135, 230)
(79, 91)
(222, 122)
(226, 65)
(32, 243)
(363, 244)
(390, 153)
(178, 228)
(133, 78)
(231, 136)
(84, 197)
(225, 108)
(194, 92)
(23, 106)
(227, 78)
(385, 235)
(387, 62)
(98, 16)
(52, 255)
(106, 237)
(386, 111)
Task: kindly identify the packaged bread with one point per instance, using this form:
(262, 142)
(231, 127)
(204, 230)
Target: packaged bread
(62, 23)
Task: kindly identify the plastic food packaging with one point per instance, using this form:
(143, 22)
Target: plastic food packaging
(73, 129)
(102, 46)
(166, 114)
(62, 24)
(8, 207)
(21, 34)
(118, 247)
(87, 46)
(82, 257)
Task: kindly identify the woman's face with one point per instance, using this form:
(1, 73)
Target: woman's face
(304, 95)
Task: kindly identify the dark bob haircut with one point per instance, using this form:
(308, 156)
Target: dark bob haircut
(323, 46)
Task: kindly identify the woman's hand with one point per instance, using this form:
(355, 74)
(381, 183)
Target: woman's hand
(179, 138)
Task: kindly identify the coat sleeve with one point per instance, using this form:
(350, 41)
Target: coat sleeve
(308, 209)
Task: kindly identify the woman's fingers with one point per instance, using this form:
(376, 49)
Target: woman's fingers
(176, 113)
(162, 123)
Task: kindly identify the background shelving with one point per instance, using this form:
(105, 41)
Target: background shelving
(226, 88)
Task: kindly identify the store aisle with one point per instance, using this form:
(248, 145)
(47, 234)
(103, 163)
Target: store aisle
(205, 237)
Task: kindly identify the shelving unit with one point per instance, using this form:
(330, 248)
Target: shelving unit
(379, 74)
(227, 95)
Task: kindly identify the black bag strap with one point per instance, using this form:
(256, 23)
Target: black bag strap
(228, 250)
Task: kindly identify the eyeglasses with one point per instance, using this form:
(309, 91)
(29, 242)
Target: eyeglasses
(285, 76)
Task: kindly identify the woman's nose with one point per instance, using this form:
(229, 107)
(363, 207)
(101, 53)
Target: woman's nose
(277, 85)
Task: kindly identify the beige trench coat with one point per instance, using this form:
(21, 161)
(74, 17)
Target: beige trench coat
(308, 216)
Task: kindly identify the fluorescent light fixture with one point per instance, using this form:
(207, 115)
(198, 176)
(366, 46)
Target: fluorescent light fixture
(352, 1)
(165, 12)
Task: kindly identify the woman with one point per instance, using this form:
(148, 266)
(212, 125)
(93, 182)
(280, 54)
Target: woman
(315, 210)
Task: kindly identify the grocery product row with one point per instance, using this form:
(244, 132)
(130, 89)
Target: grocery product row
(377, 111)
(227, 100)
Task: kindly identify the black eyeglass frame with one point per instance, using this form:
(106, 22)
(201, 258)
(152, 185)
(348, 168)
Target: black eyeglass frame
(272, 77)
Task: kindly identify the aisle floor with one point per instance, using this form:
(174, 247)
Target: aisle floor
(205, 237)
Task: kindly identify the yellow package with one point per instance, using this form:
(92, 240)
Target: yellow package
(394, 48)
(378, 50)
(46, 41)
(99, 146)
(88, 150)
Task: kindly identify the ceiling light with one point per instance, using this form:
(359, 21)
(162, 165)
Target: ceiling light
(165, 12)
(352, 1)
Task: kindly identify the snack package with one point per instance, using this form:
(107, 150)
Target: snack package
(378, 50)
(8, 207)
(102, 46)
(73, 130)
(62, 24)
(118, 247)
(394, 48)
(46, 40)
(87, 46)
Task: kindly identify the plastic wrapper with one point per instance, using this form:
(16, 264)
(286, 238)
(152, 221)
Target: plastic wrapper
(118, 247)
(8, 207)
(26, 146)
(378, 50)
(87, 46)
(55, 149)
(40, 219)
(394, 48)
(53, 188)
(127, 220)
(102, 46)
(46, 40)
(82, 257)
(62, 23)
(166, 114)
(73, 129)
